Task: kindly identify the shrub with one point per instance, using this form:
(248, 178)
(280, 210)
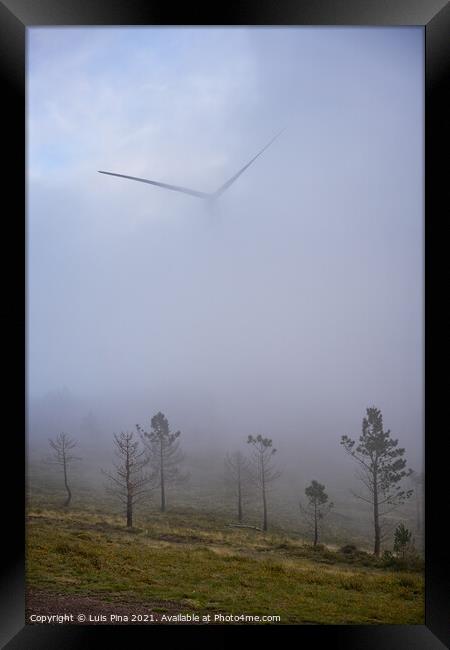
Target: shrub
(348, 549)
(351, 583)
(63, 548)
(319, 548)
(411, 561)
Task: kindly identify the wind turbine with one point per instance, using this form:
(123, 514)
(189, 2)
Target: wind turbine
(208, 196)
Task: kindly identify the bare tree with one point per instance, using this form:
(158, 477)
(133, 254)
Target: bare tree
(237, 475)
(262, 470)
(418, 482)
(61, 447)
(164, 453)
(128, 482)
(381, 469)
(317, 507)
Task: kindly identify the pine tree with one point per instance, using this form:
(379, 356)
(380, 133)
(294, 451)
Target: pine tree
(165, 455)
(381, 469)
(263, 472)
(402, 540)
(317, 507)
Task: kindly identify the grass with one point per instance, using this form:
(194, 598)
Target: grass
(194, 560)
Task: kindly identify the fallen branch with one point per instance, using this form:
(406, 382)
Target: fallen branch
(243, 526)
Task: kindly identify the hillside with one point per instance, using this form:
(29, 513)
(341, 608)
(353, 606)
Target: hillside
(186, 562)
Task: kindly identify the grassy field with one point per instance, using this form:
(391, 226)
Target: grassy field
(188, 561)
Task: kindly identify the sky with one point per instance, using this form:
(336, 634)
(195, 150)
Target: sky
(288, 310)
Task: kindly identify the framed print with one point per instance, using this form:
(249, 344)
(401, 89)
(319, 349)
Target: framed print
(221, 406)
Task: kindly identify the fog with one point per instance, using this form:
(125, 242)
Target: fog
(287, 310)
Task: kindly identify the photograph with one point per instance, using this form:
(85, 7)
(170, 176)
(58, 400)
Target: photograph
(225, 370)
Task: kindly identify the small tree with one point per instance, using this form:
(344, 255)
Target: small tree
(317, 507)
(61, 447)
(128, 482)
(262, 470)
(381, 469)
(165, 455)
(402, 540)
(237, 473)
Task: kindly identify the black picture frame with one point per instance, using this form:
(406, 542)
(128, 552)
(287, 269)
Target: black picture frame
(15, 17)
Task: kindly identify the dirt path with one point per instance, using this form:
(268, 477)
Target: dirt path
(42, 605)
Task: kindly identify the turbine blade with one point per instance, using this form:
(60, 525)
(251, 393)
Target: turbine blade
(226, 185)
(175, 188)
